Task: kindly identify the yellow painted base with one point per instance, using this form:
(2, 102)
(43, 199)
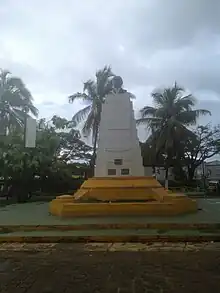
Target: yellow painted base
(112, 194)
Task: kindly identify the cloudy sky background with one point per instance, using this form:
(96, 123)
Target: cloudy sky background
(56, 45)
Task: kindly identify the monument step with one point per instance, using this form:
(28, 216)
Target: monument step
(142, 235)
(130, 225)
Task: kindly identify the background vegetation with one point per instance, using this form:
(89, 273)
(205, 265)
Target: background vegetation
(61, 160)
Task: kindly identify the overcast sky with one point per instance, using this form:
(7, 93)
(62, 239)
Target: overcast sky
(55, 45)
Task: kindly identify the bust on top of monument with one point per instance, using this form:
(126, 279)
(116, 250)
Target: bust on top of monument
(117, 83)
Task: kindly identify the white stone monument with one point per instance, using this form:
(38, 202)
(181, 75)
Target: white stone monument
(30, 132)
(119, 186)
(119, 153)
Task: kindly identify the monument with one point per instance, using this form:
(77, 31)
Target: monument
(118, 152)
(119, 186)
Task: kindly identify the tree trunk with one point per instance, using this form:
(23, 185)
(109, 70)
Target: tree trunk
(154, 172)
(191, 173)
(92, 161)
(167, 165)
(166, 177)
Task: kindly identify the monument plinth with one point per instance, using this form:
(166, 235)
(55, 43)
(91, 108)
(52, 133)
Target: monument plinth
(119, 186)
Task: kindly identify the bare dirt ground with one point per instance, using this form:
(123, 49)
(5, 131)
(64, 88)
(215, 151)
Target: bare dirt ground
(82, 268)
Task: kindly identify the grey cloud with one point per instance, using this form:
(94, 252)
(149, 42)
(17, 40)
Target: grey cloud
(212, 106)
(172, 24)
(53, 109)
(150, 43)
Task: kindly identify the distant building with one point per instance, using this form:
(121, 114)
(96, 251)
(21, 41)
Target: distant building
(212, 170)
(160, 172)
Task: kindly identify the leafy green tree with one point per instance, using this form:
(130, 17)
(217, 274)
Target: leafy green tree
(70, 146)
(150, 156)
(15, 102)
(203, 145)
(93, 95)
(58, 148)
(169, 119)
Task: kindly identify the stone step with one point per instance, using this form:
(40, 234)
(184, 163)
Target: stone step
(142, 235)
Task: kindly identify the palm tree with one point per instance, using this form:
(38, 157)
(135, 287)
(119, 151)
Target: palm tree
(15, 102)
(169, 119)
(94, 92)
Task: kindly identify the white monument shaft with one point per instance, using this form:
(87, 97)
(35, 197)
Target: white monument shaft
(118, 152)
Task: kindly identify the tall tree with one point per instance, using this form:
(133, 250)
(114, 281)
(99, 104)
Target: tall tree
(194, 150)
(67, 140)
(58, 152)
(15, 101)
(169, 119)
(94, 92)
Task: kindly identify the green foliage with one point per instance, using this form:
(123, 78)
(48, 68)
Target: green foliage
(195, 149)
(58, 146)
(15, 102)
(93, 95)
(149, 154)
(171, 116)
(60, 153)
(168, 121)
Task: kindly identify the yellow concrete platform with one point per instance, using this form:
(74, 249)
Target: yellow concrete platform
(107, 196)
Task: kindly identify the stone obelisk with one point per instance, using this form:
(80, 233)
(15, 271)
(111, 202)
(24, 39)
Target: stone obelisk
(119, 186)
(118, 152)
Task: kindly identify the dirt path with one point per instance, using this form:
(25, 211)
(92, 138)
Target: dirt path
(70, 268)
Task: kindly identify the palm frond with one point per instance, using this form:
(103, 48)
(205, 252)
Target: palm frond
(202, 112)
(103, 82)
(20, 114)
(148, 111)
(158, 98)
(187, 117)
(33, 109)
(12, 98)
(88, 125)
(81, 114)
(16, 98)
(78, 96)
(190, 117)
(151, 122)
(185, 102)
(94, 92)
(15, 83)
(3, 76)
(90, 88)
(176, 90)
(16, 116)
(103, 73)
(170, 118)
